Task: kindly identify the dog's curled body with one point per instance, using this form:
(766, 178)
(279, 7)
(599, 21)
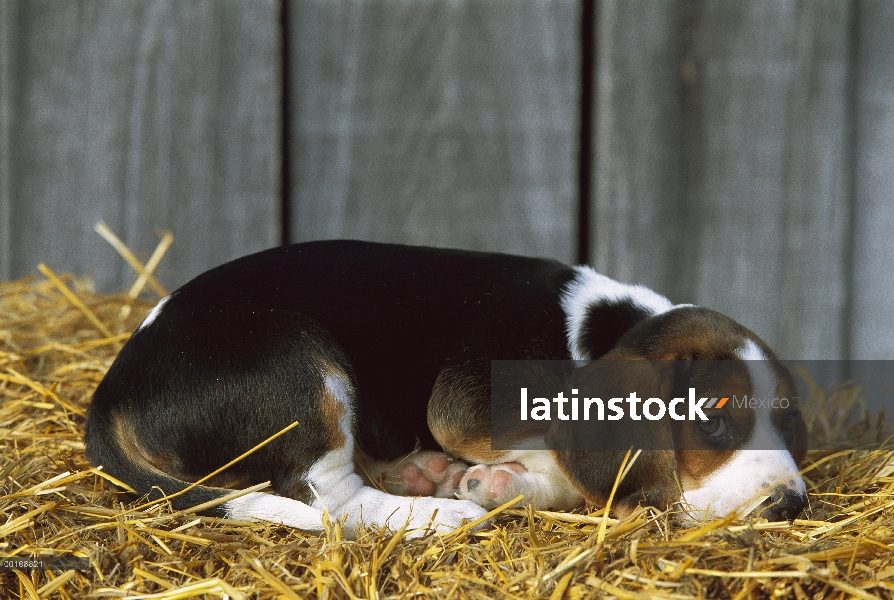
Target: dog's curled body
(379, 352)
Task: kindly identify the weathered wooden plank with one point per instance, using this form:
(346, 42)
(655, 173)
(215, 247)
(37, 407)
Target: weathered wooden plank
(873, 287)
(147, 115)
(814, 202)
(440, 123)
(753, 224)
(768, 175)
(637, 131)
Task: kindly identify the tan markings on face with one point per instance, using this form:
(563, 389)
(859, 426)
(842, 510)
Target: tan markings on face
(695, 465)
(681, 334)
(696, 459)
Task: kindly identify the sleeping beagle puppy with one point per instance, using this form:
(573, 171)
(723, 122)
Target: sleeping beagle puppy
(382, 354)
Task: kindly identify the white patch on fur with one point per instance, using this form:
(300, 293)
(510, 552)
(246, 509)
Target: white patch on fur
(259, 506)
(153, 314)
(543, 484)
(756, 469)
(762, 377)
(589, 287)
(343, 494)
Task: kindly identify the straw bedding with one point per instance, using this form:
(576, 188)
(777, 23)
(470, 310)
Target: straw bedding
(54, 349)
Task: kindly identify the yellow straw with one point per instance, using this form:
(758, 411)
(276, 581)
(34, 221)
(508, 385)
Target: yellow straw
(69, 295)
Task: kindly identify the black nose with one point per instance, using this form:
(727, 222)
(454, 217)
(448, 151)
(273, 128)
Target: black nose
(784, 504)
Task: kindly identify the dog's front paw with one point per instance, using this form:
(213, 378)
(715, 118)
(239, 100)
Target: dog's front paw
(492, 485)
(441, 515)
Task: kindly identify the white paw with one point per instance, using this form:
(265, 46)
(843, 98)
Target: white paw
(451, 514)
(372, 507)
(492, 485)
(422, 516)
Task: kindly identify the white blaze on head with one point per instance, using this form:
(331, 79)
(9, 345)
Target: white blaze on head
(759, 466)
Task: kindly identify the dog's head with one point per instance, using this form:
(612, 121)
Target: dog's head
(742, 454)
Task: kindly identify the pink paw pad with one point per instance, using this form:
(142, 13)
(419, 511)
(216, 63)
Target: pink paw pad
(415, 481)
(499, 480)
(437, 465)
(429, 473)
(488, 483)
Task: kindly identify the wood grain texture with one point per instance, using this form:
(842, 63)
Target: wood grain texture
(147, 115)
(637, 132)
(439, 123)
(765, 165)
(722, 164)
(742, 150)
(873, 280)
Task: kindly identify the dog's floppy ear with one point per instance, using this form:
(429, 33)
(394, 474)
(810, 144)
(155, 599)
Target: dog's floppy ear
(797, 441)
(590, 451)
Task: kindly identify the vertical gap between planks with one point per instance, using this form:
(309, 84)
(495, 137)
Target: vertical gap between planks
(585, 148)
(285, 209)
(8, 19)
(852, 117)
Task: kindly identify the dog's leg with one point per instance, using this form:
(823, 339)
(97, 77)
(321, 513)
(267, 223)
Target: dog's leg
(341, 491)
(272, 369)
(421, 473)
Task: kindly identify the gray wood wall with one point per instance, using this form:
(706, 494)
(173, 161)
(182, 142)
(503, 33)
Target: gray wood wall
(742, 152)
